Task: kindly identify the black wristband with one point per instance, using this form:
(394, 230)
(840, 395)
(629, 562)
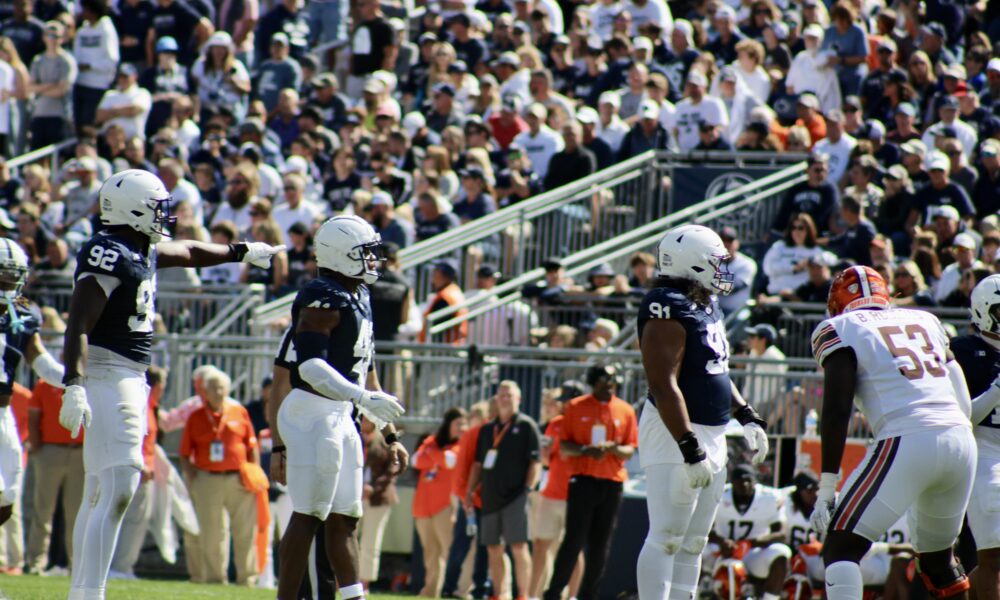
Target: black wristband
(278, 448)
(746, 415)
(239, 251)
(391, 438)
(74, 380)
(690, 449)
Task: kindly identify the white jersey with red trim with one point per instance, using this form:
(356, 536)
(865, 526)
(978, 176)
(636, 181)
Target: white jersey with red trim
(766, 508)
(903, 384)
(798, 530)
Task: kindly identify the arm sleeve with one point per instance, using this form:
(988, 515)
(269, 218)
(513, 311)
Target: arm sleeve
(328, 381)
(108, 61)
(49, 369)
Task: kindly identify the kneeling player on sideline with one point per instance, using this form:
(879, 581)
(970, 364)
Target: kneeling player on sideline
(896, 364)
(755, 513)
(979, 355)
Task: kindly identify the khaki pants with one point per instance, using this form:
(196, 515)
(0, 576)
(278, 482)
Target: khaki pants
(225, 508)
(55, 466)
(372, 525)
(435, 536)
(12, 538)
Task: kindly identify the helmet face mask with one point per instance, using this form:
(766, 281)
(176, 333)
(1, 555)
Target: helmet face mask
(371, 256)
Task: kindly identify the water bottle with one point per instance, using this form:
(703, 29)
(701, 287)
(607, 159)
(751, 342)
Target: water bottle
(470, 523)
(812, 419)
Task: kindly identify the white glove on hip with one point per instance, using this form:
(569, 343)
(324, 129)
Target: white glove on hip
(75, 411)
(260, 254)
(825, 503)
(757, 441)
(380, 408)
(699, 473)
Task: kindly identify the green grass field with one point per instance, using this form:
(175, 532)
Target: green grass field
(55, 588)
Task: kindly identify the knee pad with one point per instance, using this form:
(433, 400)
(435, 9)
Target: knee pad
(671, 544)
(945, 582)
(694, 545)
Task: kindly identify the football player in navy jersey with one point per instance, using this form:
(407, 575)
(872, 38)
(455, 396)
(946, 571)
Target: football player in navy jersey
(979, 355)
(682, 444)
(19, 324)
(107, 350)
(331, 374)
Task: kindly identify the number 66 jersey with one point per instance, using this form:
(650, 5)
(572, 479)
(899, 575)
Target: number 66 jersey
(903, 384)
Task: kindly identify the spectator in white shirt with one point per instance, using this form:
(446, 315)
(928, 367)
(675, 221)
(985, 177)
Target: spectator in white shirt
(749, 61)
(764, 381)
(645, 11)
(611, 128)
(127, 105)
(95, 49)
(602, 17)
(964, 246)
(837, 145)
(506, 325)
(809, 71)
(695, 108)
(294, 209)
(950, 123)
(540, 143)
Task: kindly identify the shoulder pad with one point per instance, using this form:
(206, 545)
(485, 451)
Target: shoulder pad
(825, 340)
(322, 293)
(666, 303)
(105, 255)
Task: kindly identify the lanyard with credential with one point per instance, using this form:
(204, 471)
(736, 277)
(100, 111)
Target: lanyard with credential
(217, 428)
(498, 437)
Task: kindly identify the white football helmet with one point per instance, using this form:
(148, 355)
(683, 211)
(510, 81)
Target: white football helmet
(985, 307)
(695, 253)
(137, 199)
(348, 245)
(13, 269)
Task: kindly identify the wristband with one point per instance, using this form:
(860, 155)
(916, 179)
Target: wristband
(238, 251)
(75, 380)
(278, 448)
(690, 449)
(746, 415)
(391, 438)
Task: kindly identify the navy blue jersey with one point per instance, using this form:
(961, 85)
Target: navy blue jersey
(285, 356)
(981, 364)
(12, 344)
(126, 325)
(704, 374)
(351, 346)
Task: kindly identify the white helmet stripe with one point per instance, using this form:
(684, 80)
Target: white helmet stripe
(866, 289)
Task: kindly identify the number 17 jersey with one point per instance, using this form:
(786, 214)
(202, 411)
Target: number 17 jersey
(902, 381)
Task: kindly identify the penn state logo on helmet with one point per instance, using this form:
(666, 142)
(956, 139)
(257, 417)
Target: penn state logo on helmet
(695, 253)
(137, 199)
(349, 245)
(985, 305)
(857, 287)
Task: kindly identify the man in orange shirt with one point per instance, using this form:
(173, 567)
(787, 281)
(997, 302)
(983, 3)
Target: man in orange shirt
(811, 118)
(57, 460)
(218, 439)
(599, 433)
(136, 521)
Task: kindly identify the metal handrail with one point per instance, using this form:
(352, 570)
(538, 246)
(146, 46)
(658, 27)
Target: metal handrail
(610, 249)
(36, 155)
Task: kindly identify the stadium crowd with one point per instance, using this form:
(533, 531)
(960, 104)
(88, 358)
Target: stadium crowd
(264, 119)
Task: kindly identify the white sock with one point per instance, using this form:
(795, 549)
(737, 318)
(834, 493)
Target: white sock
(653, 571)
(687, 570)
(348, 592)
(770, 596)
(843, 581)
(95, 536)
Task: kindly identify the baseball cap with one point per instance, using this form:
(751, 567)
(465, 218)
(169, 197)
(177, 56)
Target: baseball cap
(949, 102)
(444, 88)
(511, 103)
(601, 270)
(934, 28)
(385, 110)
(167, 44)
(943, 211)
(251, 150)
(561, 40)
(488, 79)
(913, 147)
(728, 73)
(521, 27)
(427, 37)
(373, 86)
(510, 59)
(764, 330)
(887, 44)
(725, 12)
(488, 271)
(458, 66)
(473, 173)
(611, 98)
(587, 115)
(897, 75)
(964, 240)
(905, 108)
(537, 109)
(397, 24)
(824, 259)
(852, 102)
(875, 129)
(642, 43)
(86, 163)
(813, 30)
(279, 38)
(896, 172)
(594, 42)
(993, 65)
(649, 110)
(809, 101)
(447, 267)
(990, 147)
(324, 80)
(552, 262)
(127, 69)
(413, 122)
(698, 78)
(938, 161)
(955, 70)
(295, 164)
(381, 199)
(780, 30)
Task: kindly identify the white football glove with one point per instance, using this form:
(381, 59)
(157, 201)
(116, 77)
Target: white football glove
(819, 520)
(380, 408)
(75, 411)
(757, 441)
(699, 473)
(259, 254)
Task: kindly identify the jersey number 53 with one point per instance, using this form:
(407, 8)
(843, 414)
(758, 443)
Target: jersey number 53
(914, 346)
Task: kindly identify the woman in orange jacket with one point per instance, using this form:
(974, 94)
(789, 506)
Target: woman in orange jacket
(433, 507)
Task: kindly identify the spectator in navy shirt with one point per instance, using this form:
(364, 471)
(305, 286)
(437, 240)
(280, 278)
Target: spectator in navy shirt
(476, 199)
(469, 49)
(288, 18)
(167, 81)
(942, 191)
(25, 30)
(815, 196)
(855, 241)
(433, 215)
(573, 162)
(133, 18)
(176, 18)
(383, 219)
